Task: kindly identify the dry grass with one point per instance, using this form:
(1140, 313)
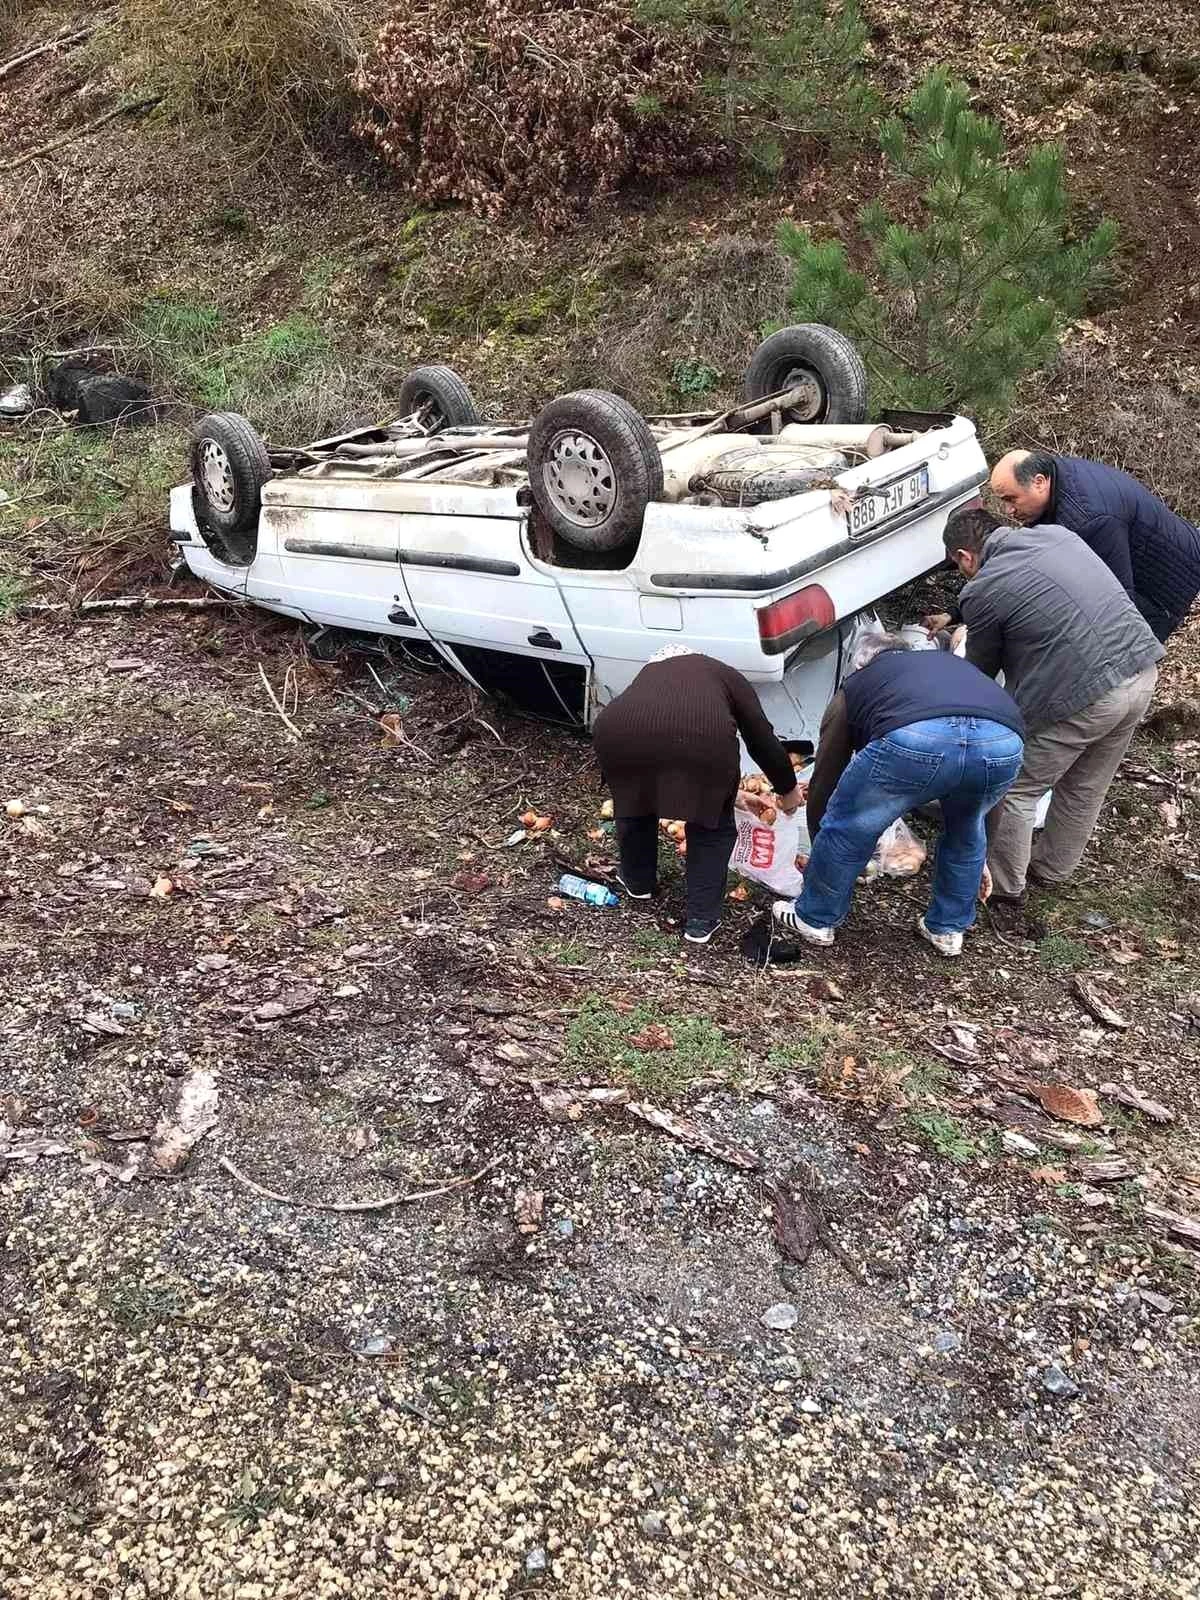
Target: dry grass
(14, 15)
(272, 64)
(1088, 406)
(686, 336)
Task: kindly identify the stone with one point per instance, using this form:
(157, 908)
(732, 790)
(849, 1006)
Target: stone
(653, 1525)
(1057, 1383)
(564, 1227)
(536, 1562)
(947, 1342)
(1016, 1144)
(780, 1316)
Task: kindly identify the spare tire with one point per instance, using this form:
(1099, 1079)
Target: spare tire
(820, 358)
(749, 488)
(229, 467)
(594, 467)
(441, 397)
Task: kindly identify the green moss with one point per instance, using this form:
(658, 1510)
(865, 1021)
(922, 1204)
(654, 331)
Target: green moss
(599, 1041)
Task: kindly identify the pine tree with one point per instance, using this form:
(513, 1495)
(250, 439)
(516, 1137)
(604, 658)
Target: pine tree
(782, 71)
(954, 311)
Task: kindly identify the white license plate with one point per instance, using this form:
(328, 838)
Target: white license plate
(887, 500)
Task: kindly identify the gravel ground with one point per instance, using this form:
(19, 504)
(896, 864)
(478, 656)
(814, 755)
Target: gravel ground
(987, 1388)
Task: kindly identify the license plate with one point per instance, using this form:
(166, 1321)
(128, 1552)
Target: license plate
(887, 500)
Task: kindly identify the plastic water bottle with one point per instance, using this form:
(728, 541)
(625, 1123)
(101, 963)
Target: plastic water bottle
(592, 894)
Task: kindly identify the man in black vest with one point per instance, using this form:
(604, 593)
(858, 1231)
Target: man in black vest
(909, 727)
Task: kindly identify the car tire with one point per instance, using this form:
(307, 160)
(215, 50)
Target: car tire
(441, 395)
(594, 467)
(819, 356)
(229, 467)
(756, 488)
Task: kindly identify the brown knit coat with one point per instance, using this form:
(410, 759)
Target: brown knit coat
(668, 745)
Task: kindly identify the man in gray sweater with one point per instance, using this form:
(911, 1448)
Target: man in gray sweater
(1081, 663)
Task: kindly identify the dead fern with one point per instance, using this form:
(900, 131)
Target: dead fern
(540, 106)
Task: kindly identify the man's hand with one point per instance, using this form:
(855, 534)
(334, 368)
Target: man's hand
(789, 802)
(985, 884)
(935, 622)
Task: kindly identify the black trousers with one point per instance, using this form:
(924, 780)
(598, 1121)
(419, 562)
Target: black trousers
(708, 853)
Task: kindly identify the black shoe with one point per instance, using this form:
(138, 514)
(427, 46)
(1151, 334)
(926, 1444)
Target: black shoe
(698, 932)
(632, 893)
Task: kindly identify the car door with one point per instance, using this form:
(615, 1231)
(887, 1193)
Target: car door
(340, 567)
(473, 584)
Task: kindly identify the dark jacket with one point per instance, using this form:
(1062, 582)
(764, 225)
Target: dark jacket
(894, 690)
(1051, 615)
(668, 745)
(1154, 554)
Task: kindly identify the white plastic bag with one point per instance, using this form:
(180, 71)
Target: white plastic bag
(767, 851)
(898, 854)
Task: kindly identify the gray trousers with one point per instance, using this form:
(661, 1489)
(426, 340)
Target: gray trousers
(1077, 758)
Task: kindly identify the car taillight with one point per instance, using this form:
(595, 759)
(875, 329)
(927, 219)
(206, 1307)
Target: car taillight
(798, 616)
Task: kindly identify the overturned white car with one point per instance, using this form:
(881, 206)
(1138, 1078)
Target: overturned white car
(553, 559)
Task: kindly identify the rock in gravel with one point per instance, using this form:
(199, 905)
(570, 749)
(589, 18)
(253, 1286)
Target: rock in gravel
(1159, 1302)
(564, 1227)
(378, 1345)
(1057, 1383)
(781, 1315)
(1016, 1144)
(535, 1562)
(947, 1342)
(653, 1525)
(810, 1407)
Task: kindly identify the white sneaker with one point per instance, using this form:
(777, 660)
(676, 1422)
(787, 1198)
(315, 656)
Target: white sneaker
(783, 913)
(946, 944)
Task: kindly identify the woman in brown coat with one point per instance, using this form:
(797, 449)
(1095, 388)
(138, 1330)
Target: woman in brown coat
(668, 747)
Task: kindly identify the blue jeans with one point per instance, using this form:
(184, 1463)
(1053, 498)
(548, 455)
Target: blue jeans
(965, 762)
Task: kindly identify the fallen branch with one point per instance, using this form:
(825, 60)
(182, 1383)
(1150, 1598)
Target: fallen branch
(134, 602)
(275, 701)
(81, 133)
(58, 42)
(398, 1199)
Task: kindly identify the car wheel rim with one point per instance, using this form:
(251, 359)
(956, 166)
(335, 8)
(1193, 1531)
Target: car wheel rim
(580, 479)
(812, 405)
(216, 477)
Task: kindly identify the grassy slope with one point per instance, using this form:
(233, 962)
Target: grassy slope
(298, 286)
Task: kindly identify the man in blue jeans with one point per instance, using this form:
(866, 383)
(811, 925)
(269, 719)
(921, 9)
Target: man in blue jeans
(909, 727)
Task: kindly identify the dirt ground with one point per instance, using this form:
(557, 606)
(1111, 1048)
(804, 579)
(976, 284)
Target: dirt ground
(982, 1381)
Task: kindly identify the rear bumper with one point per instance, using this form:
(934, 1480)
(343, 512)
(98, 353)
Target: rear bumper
(766, 582)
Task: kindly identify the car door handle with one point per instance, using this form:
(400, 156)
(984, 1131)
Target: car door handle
(543, 639)
(401, 618)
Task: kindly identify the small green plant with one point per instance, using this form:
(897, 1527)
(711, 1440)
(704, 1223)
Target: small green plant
(1061, 954)
(923, 1078)
(12, 591)
(693, 378)
(805, 1052)
(650, 946)
(568, 952)
(653, 1051)
(960, 306)
(948, 1137)
(138, 1306)
(252, 1503)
